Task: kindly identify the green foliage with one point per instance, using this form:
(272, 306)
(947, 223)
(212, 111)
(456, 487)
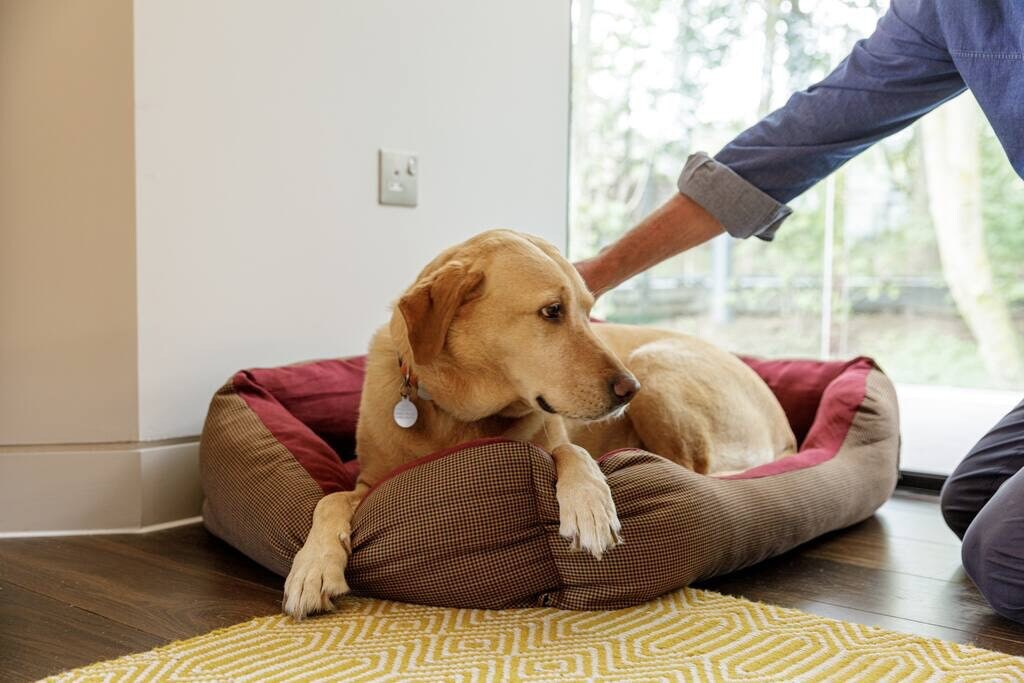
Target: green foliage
(1003, 211)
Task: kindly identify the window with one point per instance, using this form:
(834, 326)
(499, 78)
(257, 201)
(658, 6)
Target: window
(913, 253)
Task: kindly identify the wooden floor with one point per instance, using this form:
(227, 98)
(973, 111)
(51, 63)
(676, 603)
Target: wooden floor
(66, 602)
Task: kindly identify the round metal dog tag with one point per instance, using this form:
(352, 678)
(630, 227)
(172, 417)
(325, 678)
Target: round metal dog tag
(406, 413)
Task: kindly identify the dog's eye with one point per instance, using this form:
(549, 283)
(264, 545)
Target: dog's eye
(552, 312)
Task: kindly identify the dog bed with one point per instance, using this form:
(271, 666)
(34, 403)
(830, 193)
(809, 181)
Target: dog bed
(477, 525)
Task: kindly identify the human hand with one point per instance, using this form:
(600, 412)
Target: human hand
(591, 271)
(679, 224)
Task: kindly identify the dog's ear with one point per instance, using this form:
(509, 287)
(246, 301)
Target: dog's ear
(430, 306)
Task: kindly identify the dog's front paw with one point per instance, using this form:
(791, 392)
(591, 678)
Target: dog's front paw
(587, 513)
(317, 576)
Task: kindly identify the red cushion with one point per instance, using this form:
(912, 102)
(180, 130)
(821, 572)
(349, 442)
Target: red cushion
(311, 409)
(323, 395)
(820, 400)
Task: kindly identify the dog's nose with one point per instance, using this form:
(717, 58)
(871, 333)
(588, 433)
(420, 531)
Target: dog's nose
(624, 388)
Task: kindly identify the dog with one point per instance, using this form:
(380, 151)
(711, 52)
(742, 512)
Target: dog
(494, 338)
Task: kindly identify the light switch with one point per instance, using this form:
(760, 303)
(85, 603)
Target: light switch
(399, 177)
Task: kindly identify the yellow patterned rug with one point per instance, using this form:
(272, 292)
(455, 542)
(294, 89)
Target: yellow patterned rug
(689, 635)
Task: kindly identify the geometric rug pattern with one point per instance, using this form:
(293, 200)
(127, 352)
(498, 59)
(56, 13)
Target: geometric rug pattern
(688, 635)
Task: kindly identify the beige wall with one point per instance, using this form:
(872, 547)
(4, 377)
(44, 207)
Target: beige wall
(67, 224)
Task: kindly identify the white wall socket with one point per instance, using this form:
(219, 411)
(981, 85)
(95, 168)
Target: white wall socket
(399, 177)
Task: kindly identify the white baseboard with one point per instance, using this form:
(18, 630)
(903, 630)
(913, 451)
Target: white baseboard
(104, 488)
(98, 532)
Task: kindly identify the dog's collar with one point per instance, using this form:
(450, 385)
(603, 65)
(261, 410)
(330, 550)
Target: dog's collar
(410, 381)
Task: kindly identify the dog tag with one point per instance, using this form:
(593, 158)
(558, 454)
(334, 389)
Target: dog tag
(406, 413)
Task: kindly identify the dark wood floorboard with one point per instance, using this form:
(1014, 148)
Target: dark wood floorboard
(195, 546)
(65, 602)
(41, 636)
(148, 591)
(868, 545)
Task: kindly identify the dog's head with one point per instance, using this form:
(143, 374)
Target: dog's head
(500, 324)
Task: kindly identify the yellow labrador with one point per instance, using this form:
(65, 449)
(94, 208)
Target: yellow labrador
(494, 339)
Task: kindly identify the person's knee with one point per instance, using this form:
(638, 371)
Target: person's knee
(957, 504)
(993, 560)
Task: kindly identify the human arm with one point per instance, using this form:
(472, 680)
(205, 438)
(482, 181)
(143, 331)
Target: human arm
(679, 224)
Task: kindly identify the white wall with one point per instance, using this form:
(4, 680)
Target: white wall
(259, 239)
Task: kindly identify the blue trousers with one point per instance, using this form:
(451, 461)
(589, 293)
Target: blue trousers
(983, 503)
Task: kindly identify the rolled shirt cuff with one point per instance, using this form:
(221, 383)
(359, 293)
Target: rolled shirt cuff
(742, 209)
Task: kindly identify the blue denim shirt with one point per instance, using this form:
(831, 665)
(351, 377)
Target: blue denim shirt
(922, 53)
